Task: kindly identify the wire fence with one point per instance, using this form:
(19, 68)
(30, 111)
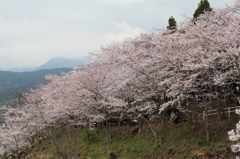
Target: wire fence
(228, 110)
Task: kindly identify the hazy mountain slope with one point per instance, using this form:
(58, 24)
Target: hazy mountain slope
(61, 62)
(13, 82)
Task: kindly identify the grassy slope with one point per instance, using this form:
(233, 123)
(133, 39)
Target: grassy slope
(176, 141)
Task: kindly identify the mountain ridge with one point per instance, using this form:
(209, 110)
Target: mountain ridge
(12, 83)
(61, 62)
(58, 62)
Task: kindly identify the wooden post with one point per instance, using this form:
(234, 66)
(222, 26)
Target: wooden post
(228, 111)
(204, 115)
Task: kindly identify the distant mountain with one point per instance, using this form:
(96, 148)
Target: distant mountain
(13, 82)
(61, 62)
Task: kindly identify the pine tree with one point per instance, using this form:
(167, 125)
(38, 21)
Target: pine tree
(202, 7)
(172, 24)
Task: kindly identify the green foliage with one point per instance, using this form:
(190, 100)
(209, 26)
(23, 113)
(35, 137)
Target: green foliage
(201, 141)
(94, 155)
(172, 24)
(193, 127)
(220, 144)
(203, 6)
(134, 130)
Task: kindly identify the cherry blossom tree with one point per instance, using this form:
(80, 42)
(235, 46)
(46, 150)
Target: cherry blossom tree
(234, 135)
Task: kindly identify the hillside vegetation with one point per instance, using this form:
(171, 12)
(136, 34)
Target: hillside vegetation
(177, 141)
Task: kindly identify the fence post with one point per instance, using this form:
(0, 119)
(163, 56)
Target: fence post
(228, 111)
(204, 115)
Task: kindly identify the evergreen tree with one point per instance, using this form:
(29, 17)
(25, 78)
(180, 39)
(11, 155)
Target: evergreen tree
(202, 7)
(172, 24)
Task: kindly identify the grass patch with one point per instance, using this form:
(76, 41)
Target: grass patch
(176, 141)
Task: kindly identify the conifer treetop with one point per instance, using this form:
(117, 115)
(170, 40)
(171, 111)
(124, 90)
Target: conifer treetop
(203, 6)
(172, 24)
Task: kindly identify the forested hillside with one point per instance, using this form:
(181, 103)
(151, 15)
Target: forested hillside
(11, 83)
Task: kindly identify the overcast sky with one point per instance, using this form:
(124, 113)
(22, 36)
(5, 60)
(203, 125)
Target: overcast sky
(35, 31)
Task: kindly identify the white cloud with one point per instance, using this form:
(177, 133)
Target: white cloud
(126, 31)
(28, 43)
